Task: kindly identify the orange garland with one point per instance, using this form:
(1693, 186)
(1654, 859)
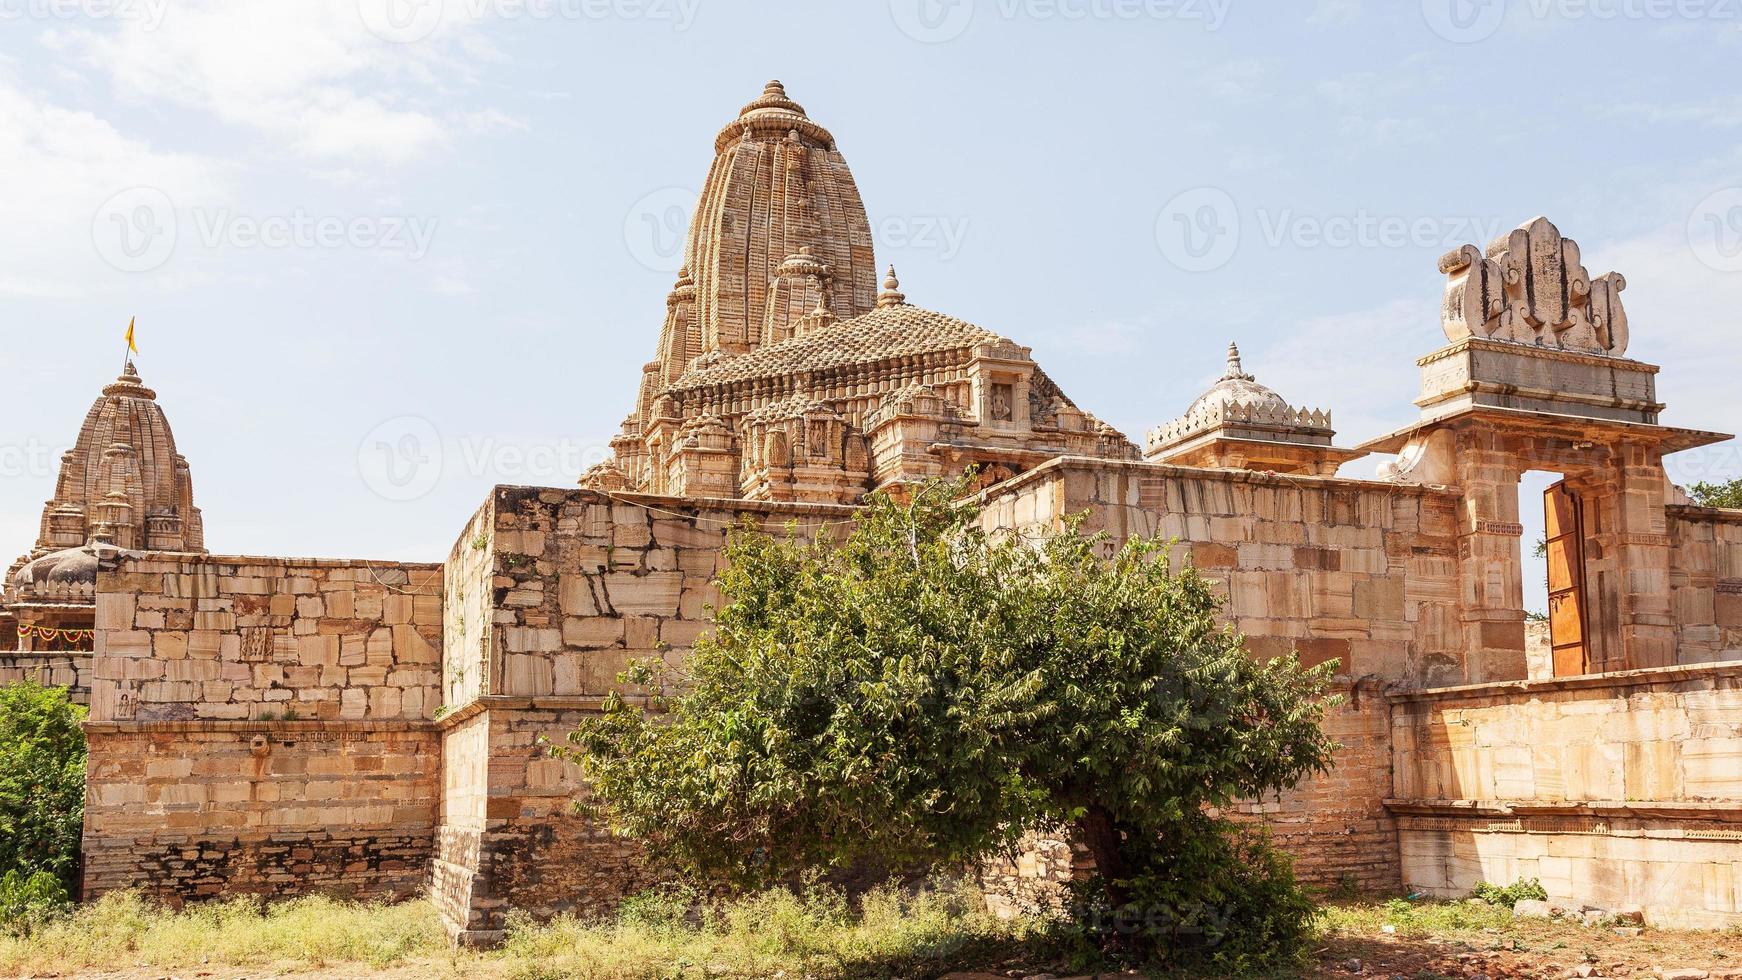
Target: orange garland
(46, 633)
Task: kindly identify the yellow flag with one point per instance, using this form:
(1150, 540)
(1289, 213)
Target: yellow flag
(130, 344)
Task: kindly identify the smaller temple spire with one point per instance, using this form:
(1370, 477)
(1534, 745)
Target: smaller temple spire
(891, 294)
(1236, 372)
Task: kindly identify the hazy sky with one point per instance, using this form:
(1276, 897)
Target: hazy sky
(360, 234)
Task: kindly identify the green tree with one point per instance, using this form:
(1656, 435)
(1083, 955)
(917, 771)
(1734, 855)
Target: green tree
(42, 781)
(927, 692)
(1718, 494)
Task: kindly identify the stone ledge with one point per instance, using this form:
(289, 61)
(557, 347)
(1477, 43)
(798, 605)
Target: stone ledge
(676, 507)
(1618, 679)
(1297, 481)
(256, 727)
(525, 702)
(200, 558)
(1694, 512)
(1706, 811)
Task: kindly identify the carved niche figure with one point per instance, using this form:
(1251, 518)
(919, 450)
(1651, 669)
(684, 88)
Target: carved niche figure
(1531, 288)
(1003, 402)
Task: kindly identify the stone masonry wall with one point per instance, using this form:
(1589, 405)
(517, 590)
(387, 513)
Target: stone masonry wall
(1705, 575)
(49, 669)
(190, 637)
(1613, 790)
(262, 726)
(580, 584)
(191, 810)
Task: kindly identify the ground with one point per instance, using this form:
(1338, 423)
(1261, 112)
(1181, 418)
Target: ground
(322, 940)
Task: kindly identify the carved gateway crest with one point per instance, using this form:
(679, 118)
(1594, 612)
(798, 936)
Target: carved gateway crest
(1532, 288)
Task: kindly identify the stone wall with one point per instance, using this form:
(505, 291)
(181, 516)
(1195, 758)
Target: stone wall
(181, 637)
(1706, 583)
(49, 669)
(262, 726)
(579, 585)
(1613, 790)
(190, 810)
(1363, 573)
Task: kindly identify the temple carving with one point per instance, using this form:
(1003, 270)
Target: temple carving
(1531, 287)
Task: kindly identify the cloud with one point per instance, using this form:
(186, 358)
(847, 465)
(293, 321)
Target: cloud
(1682, 316)
(1722, 112)
(310, 74)
(1335, 12)
(63, 165)
(1359, 364)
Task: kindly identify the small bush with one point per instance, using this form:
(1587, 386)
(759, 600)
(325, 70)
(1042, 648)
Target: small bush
(27, 901)
(1512, 894)
(1213, 898)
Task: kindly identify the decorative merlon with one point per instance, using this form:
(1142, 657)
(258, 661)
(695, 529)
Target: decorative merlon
(1532, 288)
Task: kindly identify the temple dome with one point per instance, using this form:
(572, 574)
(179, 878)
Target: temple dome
(123, 480)
(778, 188)
(1237, 388)
(59, 576)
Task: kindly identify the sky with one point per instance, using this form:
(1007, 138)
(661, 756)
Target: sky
(385, 254)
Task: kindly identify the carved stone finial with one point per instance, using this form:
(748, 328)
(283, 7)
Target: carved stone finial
(1236, 372)
(774, 89)
(891, 294)
(1531, 287)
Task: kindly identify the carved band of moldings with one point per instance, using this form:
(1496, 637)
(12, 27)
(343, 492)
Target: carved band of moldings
(1217, 416)
(1532, 288)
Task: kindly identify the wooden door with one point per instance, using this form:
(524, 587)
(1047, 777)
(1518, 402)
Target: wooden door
(1566, 580)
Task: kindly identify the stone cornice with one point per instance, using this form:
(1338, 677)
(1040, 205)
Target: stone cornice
(1643, 677)
(1051, 468)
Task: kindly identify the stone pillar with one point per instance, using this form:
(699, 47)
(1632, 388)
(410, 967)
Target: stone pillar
(1641, 542)
(1491, 559)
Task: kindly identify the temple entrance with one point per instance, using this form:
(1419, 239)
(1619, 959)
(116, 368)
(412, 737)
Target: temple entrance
(1564, 538)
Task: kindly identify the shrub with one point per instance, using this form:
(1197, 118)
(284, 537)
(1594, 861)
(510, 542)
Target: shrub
(1512, 894)
(1728, 495)
(42, 781)
(29, 900)
(925, 692)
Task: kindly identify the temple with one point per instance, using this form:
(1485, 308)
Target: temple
(274, 726)
(783, 374)
(122, 487)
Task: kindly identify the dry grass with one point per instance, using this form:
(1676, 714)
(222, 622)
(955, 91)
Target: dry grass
(816, 934)
(122, 930)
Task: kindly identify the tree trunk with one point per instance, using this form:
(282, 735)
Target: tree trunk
(1101, 836)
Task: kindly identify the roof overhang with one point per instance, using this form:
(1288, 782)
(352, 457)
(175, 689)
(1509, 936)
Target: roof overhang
(1669, 439)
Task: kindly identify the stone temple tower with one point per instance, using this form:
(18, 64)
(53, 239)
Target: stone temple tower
(121, 486)
(783, 372)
